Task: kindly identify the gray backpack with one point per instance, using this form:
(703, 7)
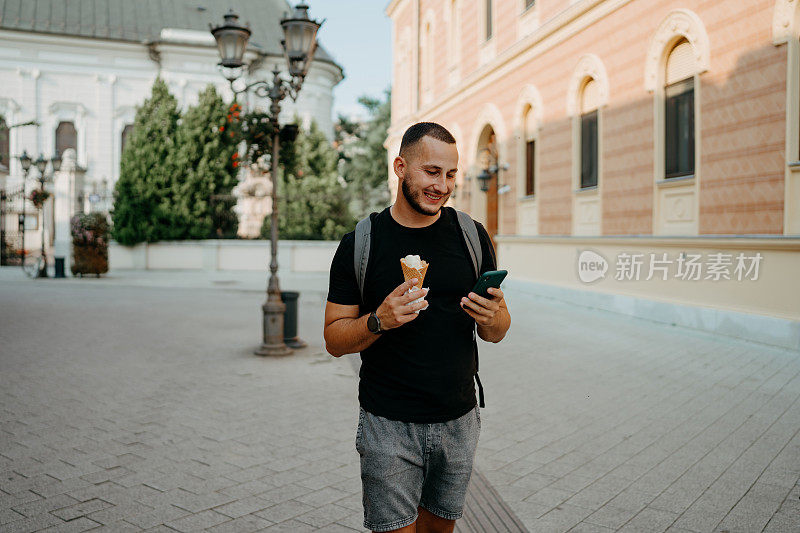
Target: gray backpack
(469, 229)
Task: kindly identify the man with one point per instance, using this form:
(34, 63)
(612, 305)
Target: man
(418, 421)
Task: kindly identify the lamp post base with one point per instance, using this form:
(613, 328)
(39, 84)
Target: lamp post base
(296, 343)
(272, 315)
(273, 349)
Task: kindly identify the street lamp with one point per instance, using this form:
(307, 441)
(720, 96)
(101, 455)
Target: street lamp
(299, 45)
(3, 176)
(41, 165)
(25, 161)
(490, 168)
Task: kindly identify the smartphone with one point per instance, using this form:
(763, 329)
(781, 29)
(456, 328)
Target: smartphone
(491, 278)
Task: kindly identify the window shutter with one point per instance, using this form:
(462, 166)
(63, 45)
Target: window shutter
(680, 63)
(530, 125)
(590, 96)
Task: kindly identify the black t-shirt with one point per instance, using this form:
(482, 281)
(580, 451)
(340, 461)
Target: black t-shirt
(422, 371)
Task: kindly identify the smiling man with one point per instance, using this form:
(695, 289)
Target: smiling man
(419, 420)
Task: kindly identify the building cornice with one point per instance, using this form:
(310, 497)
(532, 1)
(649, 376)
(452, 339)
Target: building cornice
(106, 45)
(393, 4)
(733, 242)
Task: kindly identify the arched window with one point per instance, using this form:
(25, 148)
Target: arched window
(66, 137)
(427, 61)
(530, 151)
(454, 34)
(589, 102)
(679, 145)
(126, 132)
(5, 152)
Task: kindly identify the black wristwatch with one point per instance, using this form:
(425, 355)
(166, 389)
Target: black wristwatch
(374, 323)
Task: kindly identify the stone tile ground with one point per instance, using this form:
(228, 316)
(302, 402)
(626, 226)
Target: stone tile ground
(130, 407)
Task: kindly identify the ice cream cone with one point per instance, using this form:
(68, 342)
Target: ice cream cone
(419, 273)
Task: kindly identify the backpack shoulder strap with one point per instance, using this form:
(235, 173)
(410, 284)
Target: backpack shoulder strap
(470, 231)
(363, 235)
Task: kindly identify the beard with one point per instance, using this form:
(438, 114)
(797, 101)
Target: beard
(415, 202)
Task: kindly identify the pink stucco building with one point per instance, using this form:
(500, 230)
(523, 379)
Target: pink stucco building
(618, 125)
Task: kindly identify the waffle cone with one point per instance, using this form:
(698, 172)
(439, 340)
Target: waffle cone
(419, 273)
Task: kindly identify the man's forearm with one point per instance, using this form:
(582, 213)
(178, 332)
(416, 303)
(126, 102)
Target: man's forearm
(348, 335)
(498, 331)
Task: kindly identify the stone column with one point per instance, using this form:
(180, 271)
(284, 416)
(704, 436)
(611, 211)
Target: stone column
(68, 183)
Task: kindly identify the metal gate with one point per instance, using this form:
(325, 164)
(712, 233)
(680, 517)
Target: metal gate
(11, 226)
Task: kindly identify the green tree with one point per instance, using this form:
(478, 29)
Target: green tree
(312, 202)
(144, 192)
(364, 157)
(206, 157)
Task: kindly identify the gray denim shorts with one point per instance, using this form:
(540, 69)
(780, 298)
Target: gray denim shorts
(405, 465)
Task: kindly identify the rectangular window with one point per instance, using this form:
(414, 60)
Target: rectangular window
(66, 137)
(126, 132)
(488, 19)
(679, 122)
(5, 153)
(530, 154)
(589, 149)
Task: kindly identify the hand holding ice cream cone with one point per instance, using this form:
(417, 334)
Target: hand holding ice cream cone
(402, 305)
(414, 267)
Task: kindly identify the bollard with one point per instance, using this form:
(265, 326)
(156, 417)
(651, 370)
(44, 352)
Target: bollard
(289, 298)
(59, 267)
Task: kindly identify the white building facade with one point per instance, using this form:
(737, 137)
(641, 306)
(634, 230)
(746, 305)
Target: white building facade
(81, 80)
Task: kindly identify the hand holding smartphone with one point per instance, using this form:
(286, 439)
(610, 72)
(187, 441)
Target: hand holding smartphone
(490, 278)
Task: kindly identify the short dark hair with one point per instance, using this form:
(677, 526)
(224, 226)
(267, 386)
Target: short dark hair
(419, 130)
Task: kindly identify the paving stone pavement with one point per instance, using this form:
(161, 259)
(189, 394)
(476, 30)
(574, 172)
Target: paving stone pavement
(140, 406)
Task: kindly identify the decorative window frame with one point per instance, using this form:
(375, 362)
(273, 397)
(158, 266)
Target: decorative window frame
(786, 30)
(403, 75)
(67, 112)
(123, 116)
(489, 115)
(9, 109)
(589, 67)
(453, 23)
(426, 58)
(677, 25)
(487, 48)
(529, 101)
(587, 202)
(528, 20)
(785, 21)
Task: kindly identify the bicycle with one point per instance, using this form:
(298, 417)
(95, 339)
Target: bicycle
(32, 263)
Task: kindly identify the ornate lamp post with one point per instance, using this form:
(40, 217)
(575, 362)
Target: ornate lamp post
(299, 45)
(25, 161)
(3, 176)
(41, 165)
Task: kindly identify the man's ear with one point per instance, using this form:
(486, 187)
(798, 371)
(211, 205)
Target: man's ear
(399, 165)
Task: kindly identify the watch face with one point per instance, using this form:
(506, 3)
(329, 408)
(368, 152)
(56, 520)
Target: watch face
(372, 323)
